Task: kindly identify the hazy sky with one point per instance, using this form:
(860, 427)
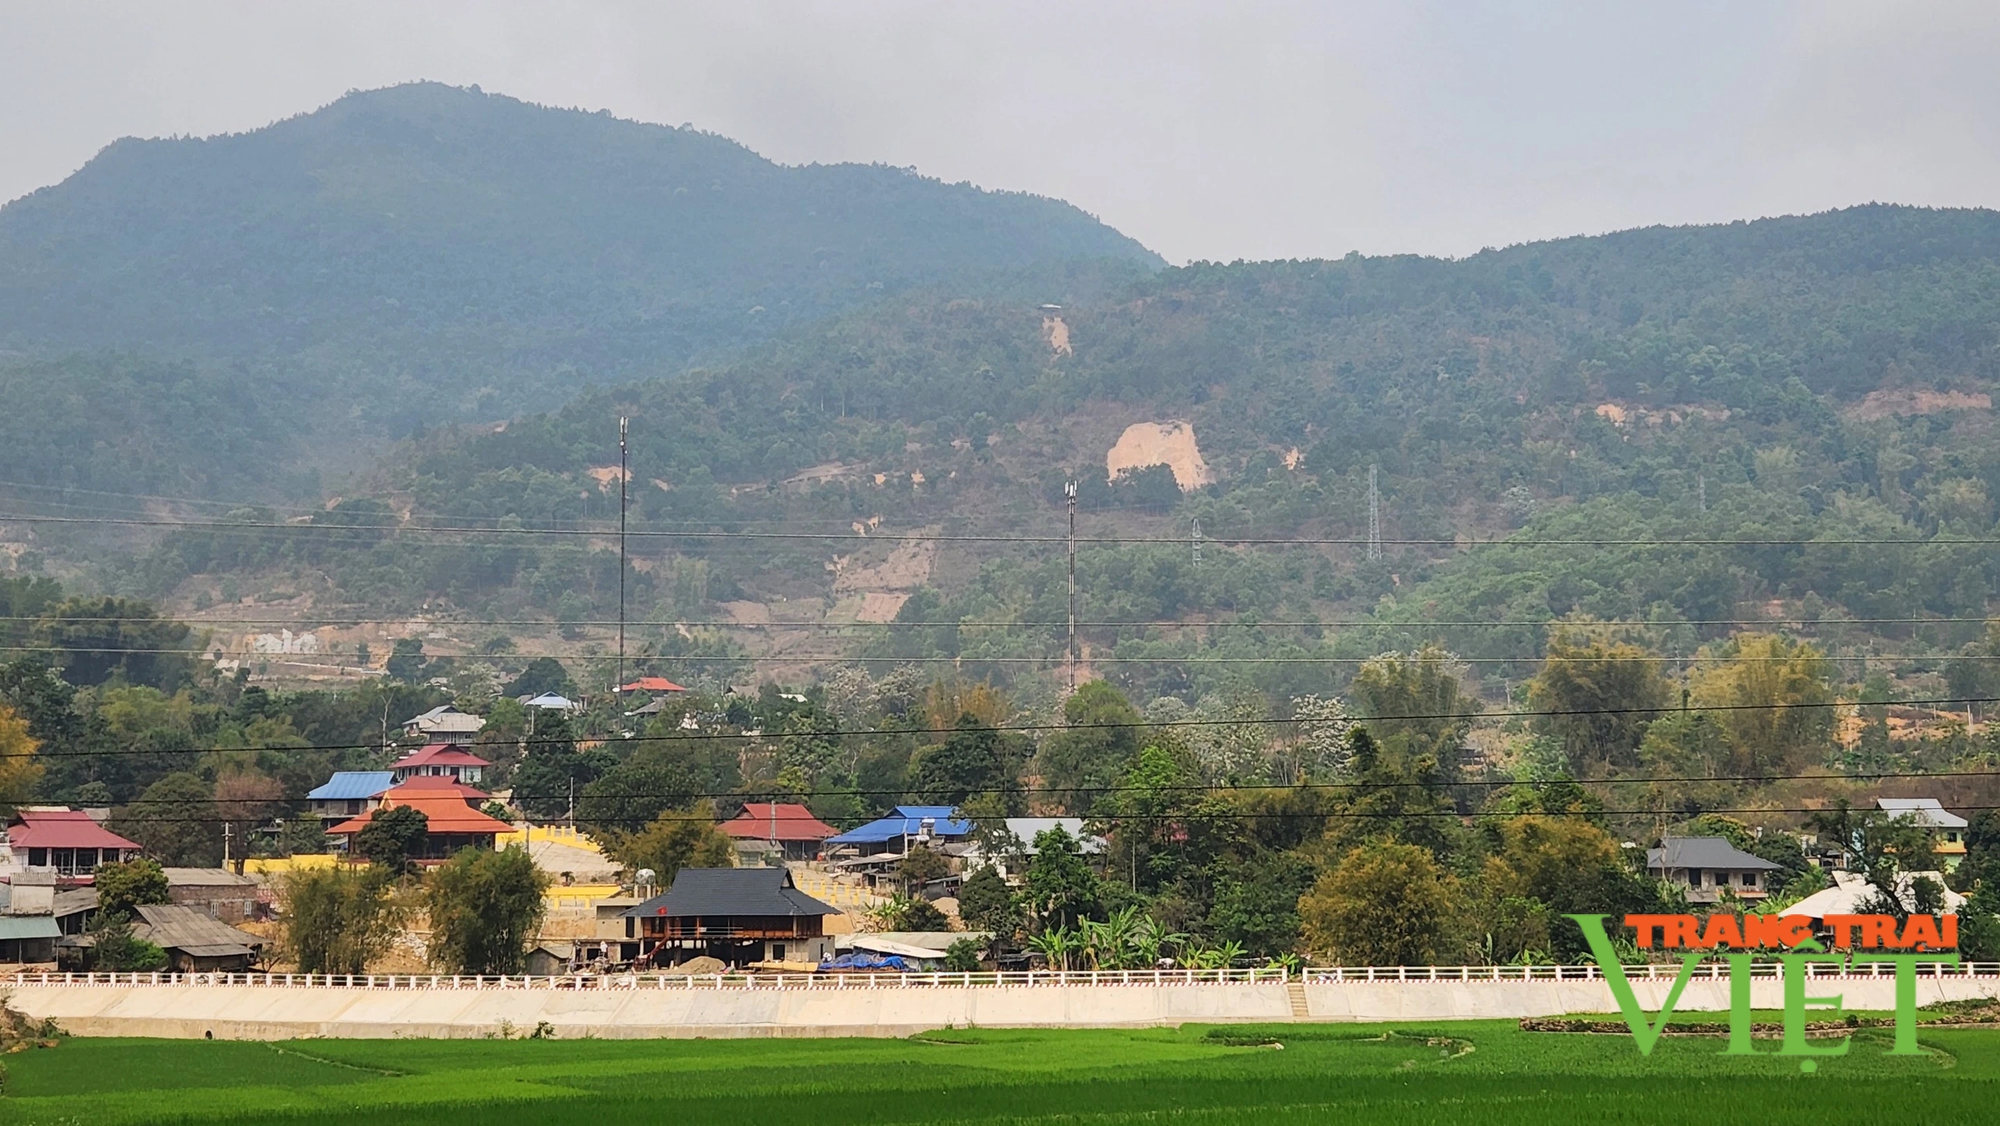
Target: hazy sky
(1218, 130)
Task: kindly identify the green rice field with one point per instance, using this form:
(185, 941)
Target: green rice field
(1458, 1074)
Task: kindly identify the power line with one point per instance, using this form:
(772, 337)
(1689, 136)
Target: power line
(1241, 721)
(921, 537)
(752, 790)
(999, 623)
(973, 659)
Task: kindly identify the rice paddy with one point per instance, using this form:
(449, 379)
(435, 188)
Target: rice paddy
(1462, 1074)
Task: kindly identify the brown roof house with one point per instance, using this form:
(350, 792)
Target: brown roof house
(736, 915)
(194, 942)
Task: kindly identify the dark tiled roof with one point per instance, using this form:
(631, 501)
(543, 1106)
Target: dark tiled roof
(1704, 852)
(761, 892)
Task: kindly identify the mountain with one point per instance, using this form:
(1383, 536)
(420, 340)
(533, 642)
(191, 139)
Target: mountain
(425, 252)
(1821, 377)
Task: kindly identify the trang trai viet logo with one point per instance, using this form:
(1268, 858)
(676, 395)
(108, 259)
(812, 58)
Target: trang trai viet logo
(1855, 939)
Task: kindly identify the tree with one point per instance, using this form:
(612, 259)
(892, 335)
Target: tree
(659, 776)
(1596, 695)
(406, 661)
(962, 956)
(175, 822)
(920, 865)
(96, 639)
(973, 760)
(338, 920)
(392, 836)
(986, 903)
(1776, 692)
(543, 675)
(18, 769)
(1557, 866)
(1416, 700)
(123, 886)
(676, 840)
(1256, 903)
(1383, 905)
(484, 909)
(302, 835)
(114, 949)
(1061, 888)
(1082, 761)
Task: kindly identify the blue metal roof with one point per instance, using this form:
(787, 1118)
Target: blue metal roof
(907, 820)
(349, 785)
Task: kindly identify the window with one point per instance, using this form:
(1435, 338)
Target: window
(1750, 879)
(38, 858)
(777, 952)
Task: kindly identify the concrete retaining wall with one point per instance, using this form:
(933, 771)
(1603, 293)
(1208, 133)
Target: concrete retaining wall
(284, 1012)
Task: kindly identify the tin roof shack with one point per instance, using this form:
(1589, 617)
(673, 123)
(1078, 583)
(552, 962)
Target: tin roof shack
(68, 842)
(735, 915)
(215, 892)
(350, 793)
(1708, 866)
(28, 939)
(905, 825)
(1947, 828)
(194, 942)
(787, 826)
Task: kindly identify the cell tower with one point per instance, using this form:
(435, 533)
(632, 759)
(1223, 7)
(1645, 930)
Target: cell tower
(1374, 514)
(624, 474)
(1069, 491)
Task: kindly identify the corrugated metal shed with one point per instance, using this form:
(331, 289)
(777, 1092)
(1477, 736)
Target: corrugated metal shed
(173, 927)
(14, 927)
(907, 820)
(353, 785)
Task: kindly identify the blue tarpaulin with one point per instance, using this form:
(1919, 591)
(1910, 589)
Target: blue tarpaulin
(862, 960)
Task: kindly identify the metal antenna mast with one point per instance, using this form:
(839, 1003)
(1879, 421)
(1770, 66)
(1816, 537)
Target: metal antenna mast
(1374, 515)
(624, 473)
(1069, 490)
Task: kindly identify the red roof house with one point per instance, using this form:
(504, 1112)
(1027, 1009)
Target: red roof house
(440, 760)
(784, 823)
(68, 842)
(651, 684)
(453, 823)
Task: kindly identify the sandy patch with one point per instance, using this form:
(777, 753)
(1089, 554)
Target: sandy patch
(880, 606)
(1170, 444)
(747, 613)
(1907, 401)
(606, 475)
(1057, 334)
(828, 471)
(1292, 458)
(907, 568)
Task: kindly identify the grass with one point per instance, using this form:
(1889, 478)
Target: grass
(1466, 1074)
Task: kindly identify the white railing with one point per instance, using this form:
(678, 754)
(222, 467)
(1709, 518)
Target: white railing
(1649, 971)
(1315, 975)
(1036, 978)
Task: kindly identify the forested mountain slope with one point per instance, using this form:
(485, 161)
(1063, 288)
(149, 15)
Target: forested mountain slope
(1825, 377)
(425, 252)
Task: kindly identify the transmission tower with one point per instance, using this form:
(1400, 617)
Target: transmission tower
(1374, 514)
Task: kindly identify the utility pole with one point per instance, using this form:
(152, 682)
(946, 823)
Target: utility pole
(1194, 540)
(1069, 490)
(624, 474)
(1374, 515)
(1701, 491)
(226, 827)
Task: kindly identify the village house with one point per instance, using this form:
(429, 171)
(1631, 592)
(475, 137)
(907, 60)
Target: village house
(67, 842)
(350, 793)
(739, 916)
(926, 825)
(439, 760)
(1947, 828)
(194, 942)
(787, 827)
(216, 892)
(454, 823)
(444, 724)
(1708, 866)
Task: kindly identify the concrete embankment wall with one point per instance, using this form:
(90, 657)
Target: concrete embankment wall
(284, 1012)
